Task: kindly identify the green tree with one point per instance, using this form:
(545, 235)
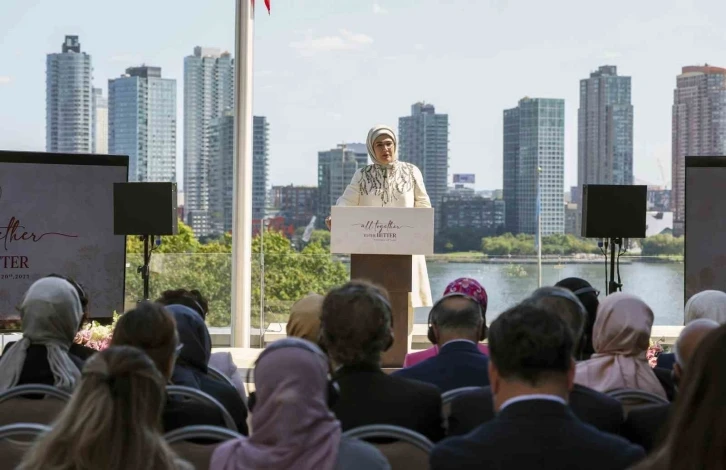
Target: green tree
(523, 245)
(663, 244)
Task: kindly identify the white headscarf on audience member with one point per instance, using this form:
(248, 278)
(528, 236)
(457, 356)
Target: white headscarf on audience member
(51, 314)
(710, 304)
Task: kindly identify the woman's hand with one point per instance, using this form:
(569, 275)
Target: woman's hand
(329, 223)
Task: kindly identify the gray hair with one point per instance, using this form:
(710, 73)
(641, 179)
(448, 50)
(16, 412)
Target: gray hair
(448, 314)
(563, 303)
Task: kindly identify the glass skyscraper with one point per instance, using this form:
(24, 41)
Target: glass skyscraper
(336, 168)
(423, 139)
(699, 126)
(605, 129)
(68, 84)
(142, 123)
(534, 156)
(100, 122)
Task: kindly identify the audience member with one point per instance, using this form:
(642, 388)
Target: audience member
(222, 360)
(621, 337)
(51, 314)
(471, 288)
(587, 295)
(456, 323)
(112, 420)
(78, 350)
(355, 330)
(151, 328)
(471, 409)
(710, 304)
(190, 369)
(644, 425)
(304, 321)
(531, 371)
(695, 438)
(292, 425)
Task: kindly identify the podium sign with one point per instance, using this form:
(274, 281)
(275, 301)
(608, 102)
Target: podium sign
(382, 230)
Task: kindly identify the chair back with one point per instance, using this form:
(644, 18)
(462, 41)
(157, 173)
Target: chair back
(15, 441)
(448, 397)
(633, 398)
(218, 375)
(17, 406)
(408, 451)
(188, 393)
(196, 444)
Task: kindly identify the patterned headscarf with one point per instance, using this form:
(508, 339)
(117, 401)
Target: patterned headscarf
(470, 288)
(375, 133)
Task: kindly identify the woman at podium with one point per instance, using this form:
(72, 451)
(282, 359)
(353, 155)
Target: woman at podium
(388, 182)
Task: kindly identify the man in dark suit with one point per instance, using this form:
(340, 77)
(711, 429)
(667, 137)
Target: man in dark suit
(474, 408)
(355, 330)
(646, 425)
(456, 323)
(531, 371)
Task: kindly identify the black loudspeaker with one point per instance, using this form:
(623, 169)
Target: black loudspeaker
(613, 211)
(144, 209)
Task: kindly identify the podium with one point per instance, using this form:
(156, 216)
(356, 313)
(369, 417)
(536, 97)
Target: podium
(382, 242)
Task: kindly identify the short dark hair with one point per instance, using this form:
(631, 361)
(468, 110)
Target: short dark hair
(563, 303)
(530, 344)
(189, 298)
(456, 312)
(355, 324)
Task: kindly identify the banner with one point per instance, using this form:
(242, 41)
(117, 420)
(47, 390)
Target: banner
(56, 216)
(464, 178)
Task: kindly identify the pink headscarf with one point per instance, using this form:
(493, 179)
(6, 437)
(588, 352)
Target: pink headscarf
(621, 336)
(292, 426)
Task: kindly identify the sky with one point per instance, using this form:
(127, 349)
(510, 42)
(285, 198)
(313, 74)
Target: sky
(325, 71)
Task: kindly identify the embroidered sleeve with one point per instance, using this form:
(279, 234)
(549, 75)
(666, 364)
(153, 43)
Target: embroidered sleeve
(420, 196)
(351, 195)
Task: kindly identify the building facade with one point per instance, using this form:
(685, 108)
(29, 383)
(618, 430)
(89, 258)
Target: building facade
(424, 141)
(659, 199)
(142, 123)
(68, 101)
(699, 127)
(221, 171)
(100, 122)
(605, 129)
(336, 168)
(534, 135)
(297, 204)
(208, 93)
(573, 219)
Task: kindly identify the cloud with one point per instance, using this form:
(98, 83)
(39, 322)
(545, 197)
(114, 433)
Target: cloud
(379, 10)
(344, 41)
(5, 79)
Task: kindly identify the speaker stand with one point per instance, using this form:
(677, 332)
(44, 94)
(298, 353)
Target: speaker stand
(612, 285)
(144, 269)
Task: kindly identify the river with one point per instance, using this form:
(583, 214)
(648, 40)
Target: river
(658, 284)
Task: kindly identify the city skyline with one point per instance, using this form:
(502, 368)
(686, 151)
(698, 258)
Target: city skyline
(381, 57)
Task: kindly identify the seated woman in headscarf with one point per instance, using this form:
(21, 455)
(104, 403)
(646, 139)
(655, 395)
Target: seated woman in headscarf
(463, 285)
(620, 336)
(51, 315)
(190, 369)
(292, 426)
(588, 296)
(304, 321)
(388, 182)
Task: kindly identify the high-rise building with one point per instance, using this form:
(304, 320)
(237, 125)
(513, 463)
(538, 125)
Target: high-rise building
(699, 126)
(297, 204)
(142, 123)
(100, 122)
(68, 84)
(221, 171)
(573, 220)
(534, 158)
(423, 139)
(605, 129)
(208, 93)
(467, 211)
(336, 168)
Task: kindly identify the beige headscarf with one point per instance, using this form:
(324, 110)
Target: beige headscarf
(304, 321)
(375, 133)
(51, 314)
(621, 336)
(709, 304)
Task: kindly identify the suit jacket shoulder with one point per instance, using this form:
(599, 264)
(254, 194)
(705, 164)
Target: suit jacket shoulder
(645, 425)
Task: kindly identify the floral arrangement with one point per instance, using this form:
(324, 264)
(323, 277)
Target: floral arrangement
(654, 350)
(96, 336)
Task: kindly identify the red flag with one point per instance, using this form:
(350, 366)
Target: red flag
(267, 4)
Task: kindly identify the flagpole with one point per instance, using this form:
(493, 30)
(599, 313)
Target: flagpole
(242, 204)
(539, 231)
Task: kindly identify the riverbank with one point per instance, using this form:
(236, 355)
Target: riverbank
(480, 258)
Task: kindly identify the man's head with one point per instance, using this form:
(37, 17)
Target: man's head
(687, 342)
(355, 325)
(531, 352)
(564, 304)
(455, 316)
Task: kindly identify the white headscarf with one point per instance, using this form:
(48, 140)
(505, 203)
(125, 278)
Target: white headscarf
(51, 314)
(375, 133)
(709, 304)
